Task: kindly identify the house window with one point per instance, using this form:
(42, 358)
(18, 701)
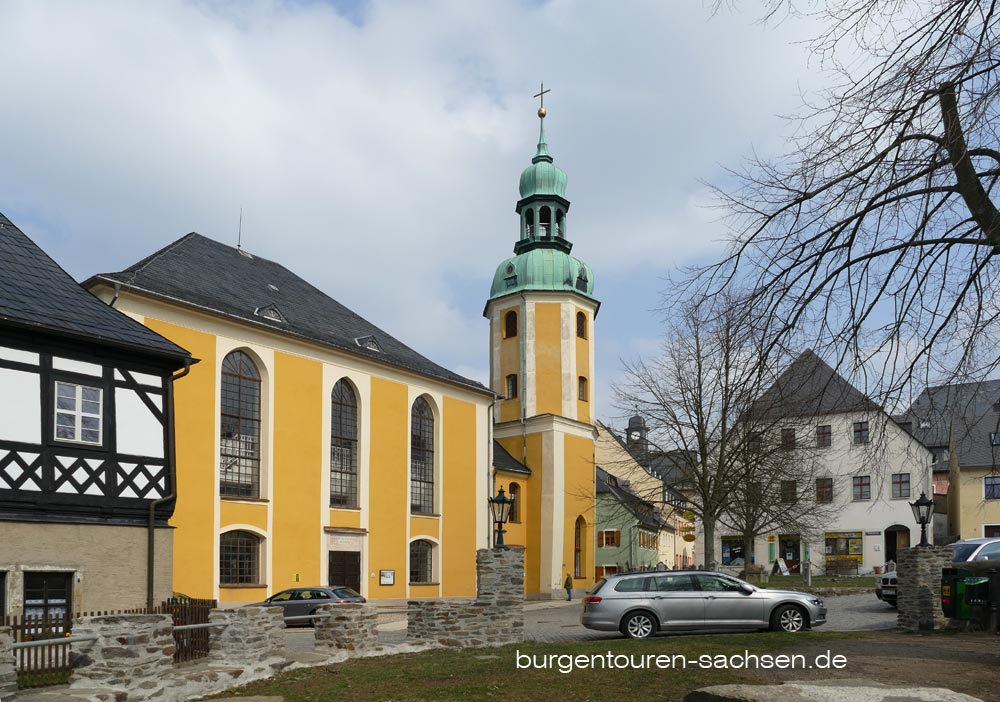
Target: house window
(421, 561)
(582, 394)
(421, 458)
(995, 438)
(609, 537)
(239, 440)
(824, 489)
(48, 596)
(581, 325)
(514, 490)
(824, 436)
(900, 484)
(733, 551)
(511, 386)
(990, 531)
(861, 487)
(343, 446)
(78, 413)
(239, 558)
(510, 325)
(789, 488)
(991, 484)
(787, 438)
(860, 433)
(647, 540)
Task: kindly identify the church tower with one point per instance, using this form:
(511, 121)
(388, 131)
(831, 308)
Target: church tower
(541, 310)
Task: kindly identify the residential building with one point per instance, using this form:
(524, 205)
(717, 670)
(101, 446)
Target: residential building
(87, 462)
(628, 531)
(960, 424)
(313, 447)
(542, 311)
(866, 470)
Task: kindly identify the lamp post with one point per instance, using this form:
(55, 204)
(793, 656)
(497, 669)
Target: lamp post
(923, 509)
(500, 509)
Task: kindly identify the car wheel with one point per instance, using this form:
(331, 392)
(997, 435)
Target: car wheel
(788, 618)
(639, 625)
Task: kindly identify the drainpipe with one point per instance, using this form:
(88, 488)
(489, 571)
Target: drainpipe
(118, 289)
(490, 472)
(172, 479)
(523, 389)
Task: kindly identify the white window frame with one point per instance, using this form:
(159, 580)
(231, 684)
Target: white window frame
(78, 414)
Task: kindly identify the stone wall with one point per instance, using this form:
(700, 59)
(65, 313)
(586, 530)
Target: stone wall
(350, 628)
(495, 617)
(918, 594)
(132, 652)
(8, 671)
(252, 635)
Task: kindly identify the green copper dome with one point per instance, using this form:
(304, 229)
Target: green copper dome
(543, 269)
(542, 177)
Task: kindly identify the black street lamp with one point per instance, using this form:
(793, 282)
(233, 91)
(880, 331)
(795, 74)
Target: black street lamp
(923, 509)
(500, 509)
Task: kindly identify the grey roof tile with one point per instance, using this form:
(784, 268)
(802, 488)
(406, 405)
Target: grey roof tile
(970, 410)
(811, 387)
(502, 460)
(36, 293)
(224, 280)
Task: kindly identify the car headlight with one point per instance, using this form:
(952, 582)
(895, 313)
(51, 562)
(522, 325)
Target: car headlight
(817, 601)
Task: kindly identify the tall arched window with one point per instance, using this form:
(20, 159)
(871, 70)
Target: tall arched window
(581, 325)
(545, 222)
(239, 558)
(582, 387)
(510, 324)
(421, 458)
(578, 548)
(421, 561)
(515, 507)
(343, 446)
(239, 440)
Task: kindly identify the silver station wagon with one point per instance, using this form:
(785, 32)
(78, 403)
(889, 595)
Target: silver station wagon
(642, 604)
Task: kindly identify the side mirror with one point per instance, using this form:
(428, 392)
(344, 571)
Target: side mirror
(747, 588)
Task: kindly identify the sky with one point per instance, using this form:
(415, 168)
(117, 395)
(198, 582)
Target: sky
(375, 146)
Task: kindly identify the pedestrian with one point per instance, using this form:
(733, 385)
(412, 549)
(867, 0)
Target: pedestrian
(569, 587)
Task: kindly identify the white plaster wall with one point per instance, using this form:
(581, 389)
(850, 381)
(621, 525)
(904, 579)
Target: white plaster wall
(20, 406)
(139, 432)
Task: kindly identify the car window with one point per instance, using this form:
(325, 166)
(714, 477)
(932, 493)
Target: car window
(281, 597)
(990, 552)
(631, 585)
(672, 583)
(345, 592)
(715, 583)
(319, 595)
(303, 595)
(597, 586)
(963, 551)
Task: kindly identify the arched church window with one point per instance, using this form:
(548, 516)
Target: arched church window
(239, 437)
(545, 222)
(510, 324)
(581, 325)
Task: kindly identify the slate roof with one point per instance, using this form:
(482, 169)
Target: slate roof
(970, 410)
(224, 280)
(502, 460)
(37, 294)
(811, 387)
(646, 514)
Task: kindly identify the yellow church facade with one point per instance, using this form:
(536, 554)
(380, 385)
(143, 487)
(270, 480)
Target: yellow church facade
(541, 311)
(312, 448)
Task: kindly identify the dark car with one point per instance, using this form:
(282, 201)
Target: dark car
(303, 601)
(986, 549)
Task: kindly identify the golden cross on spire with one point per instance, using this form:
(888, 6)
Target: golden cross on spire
(541, 97)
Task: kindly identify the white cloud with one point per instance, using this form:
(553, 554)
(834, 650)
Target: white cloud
(376, 151)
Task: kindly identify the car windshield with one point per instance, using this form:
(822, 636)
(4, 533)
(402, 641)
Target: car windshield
(963, 551)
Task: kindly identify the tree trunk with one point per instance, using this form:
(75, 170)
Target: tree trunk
(747, 550)
(708, 557)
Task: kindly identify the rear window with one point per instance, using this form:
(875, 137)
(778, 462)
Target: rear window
(597, 587)
(345, 592)
(631, 585)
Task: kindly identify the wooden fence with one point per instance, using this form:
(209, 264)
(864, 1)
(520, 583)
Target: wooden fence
(42, 666)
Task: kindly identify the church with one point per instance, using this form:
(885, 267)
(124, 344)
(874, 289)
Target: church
(314, 448)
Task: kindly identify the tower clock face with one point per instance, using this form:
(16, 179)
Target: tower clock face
(632, 435)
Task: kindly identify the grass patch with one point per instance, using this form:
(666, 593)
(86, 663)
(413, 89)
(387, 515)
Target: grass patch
(487, 674)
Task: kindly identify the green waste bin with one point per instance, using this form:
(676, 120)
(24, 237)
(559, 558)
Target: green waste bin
(954, 601)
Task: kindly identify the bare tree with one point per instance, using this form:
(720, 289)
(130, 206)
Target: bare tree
(877, 233)
(695, 398)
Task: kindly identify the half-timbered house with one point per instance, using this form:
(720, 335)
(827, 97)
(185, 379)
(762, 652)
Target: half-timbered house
(86, 443)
